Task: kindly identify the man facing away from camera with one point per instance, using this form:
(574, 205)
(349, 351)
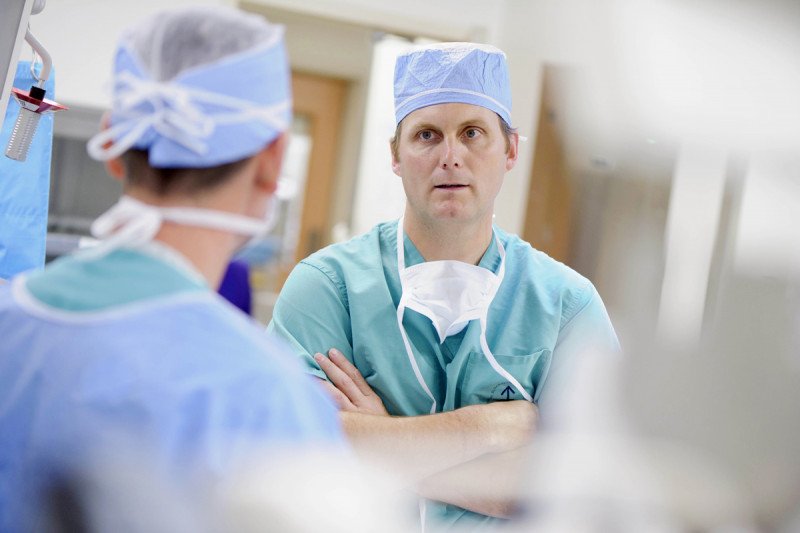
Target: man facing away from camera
(125, 350)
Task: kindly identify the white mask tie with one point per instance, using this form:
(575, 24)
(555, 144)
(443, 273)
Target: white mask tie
(131, 223)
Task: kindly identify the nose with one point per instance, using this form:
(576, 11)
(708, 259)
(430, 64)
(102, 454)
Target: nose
(451, 158)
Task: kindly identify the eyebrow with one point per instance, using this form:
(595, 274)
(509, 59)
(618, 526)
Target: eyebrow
(474, 122)
(423, 126)
(479, 122)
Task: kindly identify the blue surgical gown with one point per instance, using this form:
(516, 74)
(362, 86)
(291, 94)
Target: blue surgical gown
(131, 348)
(544, 318)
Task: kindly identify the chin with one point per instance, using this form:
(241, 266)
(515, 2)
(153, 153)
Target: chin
(460, 214)
(448, 212)
(451, 215)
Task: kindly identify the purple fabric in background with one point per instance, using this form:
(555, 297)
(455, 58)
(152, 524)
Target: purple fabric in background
(235, 286)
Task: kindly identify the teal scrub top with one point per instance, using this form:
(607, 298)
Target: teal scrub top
(122, 277)
(541, 322)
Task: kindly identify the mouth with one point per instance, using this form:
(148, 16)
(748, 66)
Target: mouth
(450, 186)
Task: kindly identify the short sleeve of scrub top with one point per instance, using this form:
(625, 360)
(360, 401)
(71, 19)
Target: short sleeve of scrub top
(587, 333)
(309, 288)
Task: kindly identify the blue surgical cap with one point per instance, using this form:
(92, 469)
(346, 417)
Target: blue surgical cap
(198, 87)
(465, 73)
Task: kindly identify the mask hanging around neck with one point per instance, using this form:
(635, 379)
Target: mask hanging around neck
(451, 294)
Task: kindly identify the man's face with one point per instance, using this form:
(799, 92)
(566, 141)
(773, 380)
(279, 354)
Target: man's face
(452, 159)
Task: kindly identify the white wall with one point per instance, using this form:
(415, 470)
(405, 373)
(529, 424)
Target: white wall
(81, 36)
(379, 194)
(443, 19)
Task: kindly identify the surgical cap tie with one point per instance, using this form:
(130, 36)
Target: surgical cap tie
(171, 110)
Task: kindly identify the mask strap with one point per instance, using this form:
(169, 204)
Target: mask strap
(401, 258)
(487, 353)
(501, 270)
(131, 222)
(211, 219)
(423, 514)
(411, 358)
(401, 265)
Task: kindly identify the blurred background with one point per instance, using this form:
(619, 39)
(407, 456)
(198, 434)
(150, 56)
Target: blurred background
(662, 161)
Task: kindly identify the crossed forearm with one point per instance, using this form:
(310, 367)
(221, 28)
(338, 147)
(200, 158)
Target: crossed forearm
(489, 485)
(470, 457)
(420, 446)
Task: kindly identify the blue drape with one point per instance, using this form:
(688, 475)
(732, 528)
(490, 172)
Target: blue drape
(25, 188)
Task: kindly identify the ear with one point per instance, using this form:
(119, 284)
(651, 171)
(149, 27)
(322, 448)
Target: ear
(270, 161)
(114, 166)
(395, 161)
(513, 151)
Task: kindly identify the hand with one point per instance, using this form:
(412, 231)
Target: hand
(347, 386)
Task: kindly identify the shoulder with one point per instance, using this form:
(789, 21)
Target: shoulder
(276, 395)
(341, 263)
(228, 356)
(523, 259)
(552, 282)
(217, 321)
(360, 251)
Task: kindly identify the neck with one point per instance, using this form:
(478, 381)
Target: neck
(208, 250)
(457, 241)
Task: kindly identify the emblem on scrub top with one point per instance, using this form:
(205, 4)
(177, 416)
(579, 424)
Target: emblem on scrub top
(504, 392)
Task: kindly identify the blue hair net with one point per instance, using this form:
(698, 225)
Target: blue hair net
(198, 87)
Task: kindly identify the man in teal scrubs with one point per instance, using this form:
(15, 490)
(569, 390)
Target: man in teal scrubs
(125, 352)
(439, 334)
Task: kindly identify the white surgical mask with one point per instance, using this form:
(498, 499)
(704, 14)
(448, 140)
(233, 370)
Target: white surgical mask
(450, 294)
(131, 222)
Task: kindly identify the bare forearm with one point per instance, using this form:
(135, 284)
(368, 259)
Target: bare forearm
(414, 448)
(417, 447)
(489, 485)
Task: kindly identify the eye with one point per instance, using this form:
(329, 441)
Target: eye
(425, 135)
(472, 133)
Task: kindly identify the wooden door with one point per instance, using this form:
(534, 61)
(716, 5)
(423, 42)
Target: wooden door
(548, 216)
(320, 101)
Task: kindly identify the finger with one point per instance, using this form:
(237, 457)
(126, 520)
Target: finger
(337, 376)
(338, 397)
(352, 372)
